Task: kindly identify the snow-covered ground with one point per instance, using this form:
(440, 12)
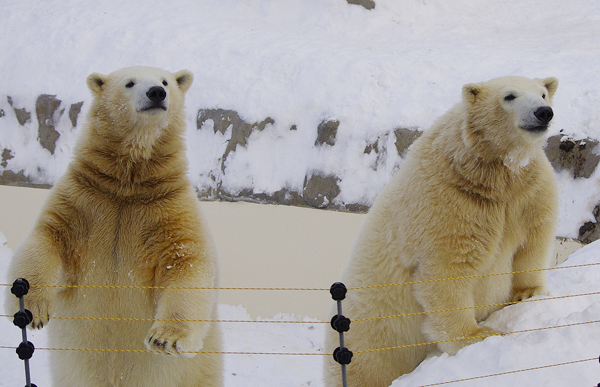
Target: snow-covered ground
(571, 311)
(301, 62)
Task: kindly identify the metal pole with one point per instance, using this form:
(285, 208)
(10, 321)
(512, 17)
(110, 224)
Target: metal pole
(341, 324)
(24, 335)
(23, 318)
(341, 334)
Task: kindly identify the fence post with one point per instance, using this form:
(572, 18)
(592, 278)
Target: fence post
(341, 324)
(23, 318)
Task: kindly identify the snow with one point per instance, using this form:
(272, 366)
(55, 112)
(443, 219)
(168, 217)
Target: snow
(574, 336)
(300, 62)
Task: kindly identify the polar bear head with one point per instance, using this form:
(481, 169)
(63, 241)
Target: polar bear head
(138, 105)
(509, 116)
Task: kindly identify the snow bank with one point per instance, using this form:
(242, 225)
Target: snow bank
(578, 339)
(299, 63)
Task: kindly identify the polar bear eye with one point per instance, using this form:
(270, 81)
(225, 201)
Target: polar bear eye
(165, 83)
(510, 97)
(543, 96)
(129, 85)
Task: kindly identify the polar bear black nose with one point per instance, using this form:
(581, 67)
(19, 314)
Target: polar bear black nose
(156, 94)
(544, 114)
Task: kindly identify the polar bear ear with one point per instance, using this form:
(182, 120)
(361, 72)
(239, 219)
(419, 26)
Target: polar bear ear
(471, 91)
(184, 79)
(551, 84)
(96, 82)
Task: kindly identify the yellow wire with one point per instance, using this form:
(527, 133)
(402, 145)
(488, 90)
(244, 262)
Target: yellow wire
(176, 320)
(320, 354)
(509, 372)
(180, 352)
(473, 276)
(318, 322)
(474, 307)
(165, 287)
(475, 337)
(323, 354)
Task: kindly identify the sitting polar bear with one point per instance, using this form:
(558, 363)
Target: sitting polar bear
(475, 195)
(125, 214)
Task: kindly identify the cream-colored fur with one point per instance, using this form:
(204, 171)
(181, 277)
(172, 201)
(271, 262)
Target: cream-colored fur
(125, 214)
(476, 195)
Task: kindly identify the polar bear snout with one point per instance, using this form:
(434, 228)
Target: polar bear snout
(157, 97)
(544, 114)
(156, 94)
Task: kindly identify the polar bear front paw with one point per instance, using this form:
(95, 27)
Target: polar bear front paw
(40, 303)
(172, 339)
(528, 293)
(453, 346)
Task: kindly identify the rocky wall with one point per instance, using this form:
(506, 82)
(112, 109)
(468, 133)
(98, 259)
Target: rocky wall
(52, 118)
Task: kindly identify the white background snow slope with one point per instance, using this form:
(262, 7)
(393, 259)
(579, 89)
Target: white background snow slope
(302, 61)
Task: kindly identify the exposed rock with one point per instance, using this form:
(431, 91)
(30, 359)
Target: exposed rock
(45, 107)
(283, 196)
(576, 156)
(319, 191)
(19, 180)
(590, 231)
(74, 111)
(6, 155)
(321, 188)
(374, 147)
(326, 132)
(240, 129)
(368, 4)
(356, 208)
(380, 149)
(404, 139)
(10, 178)
(23, 116)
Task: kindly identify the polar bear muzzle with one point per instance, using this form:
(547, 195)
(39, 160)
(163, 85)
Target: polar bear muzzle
(156, 96)
(544, 115)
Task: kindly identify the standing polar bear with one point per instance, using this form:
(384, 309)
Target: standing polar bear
(125, 215)
(476, 195)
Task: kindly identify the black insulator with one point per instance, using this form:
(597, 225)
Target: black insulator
(20, 287)
(25, 350)
(342, 355)
(340, 323)
(338, 291)
(22, 319)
